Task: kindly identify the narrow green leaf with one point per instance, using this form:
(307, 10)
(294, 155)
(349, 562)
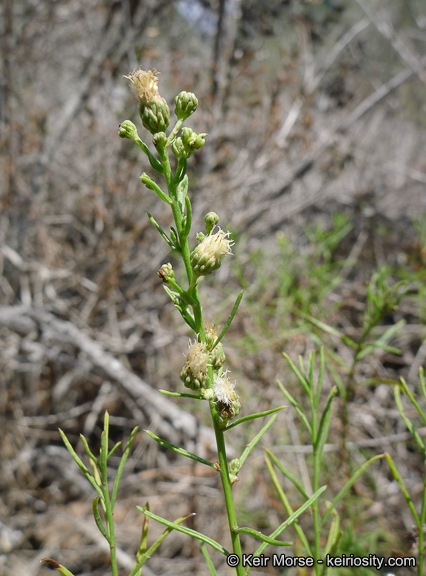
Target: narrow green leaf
(179, 450)
(143, 555)
(253, 417)
(80, 464)
(180, 170)
(296, 406)
(402, 486)
(230, 318)
(325, 424)
(122, 464)
(333, 533)
(259, 536)
(53, 565)
(152, 185)
(175, 238)
(188, 222)
(98, 518)
(161, 232)
(329, 329)
(111, 452)
(181, 395)
(377, 380)
(422, 382)
(299, 376)
(413, 400)
(181, 192)
(71, 450)
(255, 440)
(208, 560)
(88, 451)
(320, 377)
(285, 472)
(187, 531)
(143, 544)
(408, 423)
(287, 505)
(152, 159)
(348, 485)
(103, 453)
(291, 519)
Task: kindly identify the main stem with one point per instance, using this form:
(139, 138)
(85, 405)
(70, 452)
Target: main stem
(227, 489)
(199, 325)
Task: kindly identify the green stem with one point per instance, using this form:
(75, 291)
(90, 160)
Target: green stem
(227, 489)
(110, 525)
(420, 526)
(199, 325)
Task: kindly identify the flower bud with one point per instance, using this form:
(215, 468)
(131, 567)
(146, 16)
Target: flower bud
(191, 140)
(186, 104)
(153, 109)
(178, 149)
(207, 256)
(155, 116)
(234, 468)
(166, 273)
(194, 374)
(128, 130)
(159, 139)
(211, 219)
(226, 399)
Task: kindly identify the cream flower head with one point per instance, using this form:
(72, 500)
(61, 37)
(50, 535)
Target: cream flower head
(144, 84)
(208, 254)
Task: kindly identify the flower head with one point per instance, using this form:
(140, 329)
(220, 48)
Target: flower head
(208, 254)
(144, 85)
(226, 399)
(194, 374)
(153, 109)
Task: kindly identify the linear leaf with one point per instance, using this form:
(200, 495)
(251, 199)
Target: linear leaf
(253, 417)
(259, 536)
(187, 531)
(179, 450)
(287, 474)
(348, 485)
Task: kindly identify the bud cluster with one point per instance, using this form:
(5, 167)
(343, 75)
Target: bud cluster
(184, 145)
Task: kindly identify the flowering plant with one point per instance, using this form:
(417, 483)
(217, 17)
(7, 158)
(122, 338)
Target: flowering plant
(204, 372)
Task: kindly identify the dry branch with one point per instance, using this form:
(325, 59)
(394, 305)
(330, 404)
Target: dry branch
(171, 419)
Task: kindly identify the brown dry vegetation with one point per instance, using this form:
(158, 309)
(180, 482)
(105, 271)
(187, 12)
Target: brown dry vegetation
(312, 108)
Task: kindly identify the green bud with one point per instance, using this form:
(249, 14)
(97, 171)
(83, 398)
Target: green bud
(217, 357)
(207, 394)
(178, 149)
(166, 273)
(234, 468)
(159, 140)
(191, 140)
(155, 115)
(194, 374)
(128, 130)
(186, 104)
(211, 219)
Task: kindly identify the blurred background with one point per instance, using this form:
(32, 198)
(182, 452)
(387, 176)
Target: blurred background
(315, 161)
